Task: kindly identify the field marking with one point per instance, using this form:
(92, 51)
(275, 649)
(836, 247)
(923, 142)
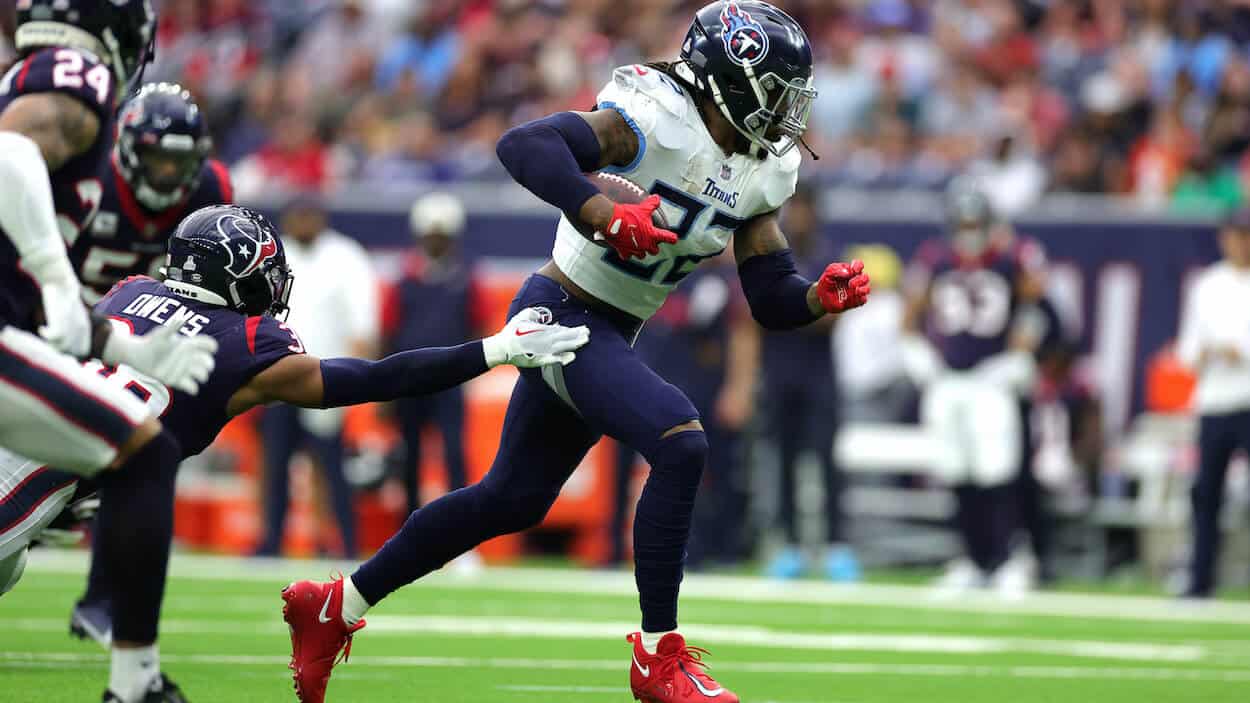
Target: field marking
(67, 659)
(701, 587)
(736, 636)
(613, 690)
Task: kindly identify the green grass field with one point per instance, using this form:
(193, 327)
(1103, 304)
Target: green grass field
(518, 635)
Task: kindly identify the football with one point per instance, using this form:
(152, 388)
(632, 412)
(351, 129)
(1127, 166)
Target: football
(620, 190)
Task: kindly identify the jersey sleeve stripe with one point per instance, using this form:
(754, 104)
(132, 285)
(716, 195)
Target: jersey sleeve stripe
(223, 180)
(253, 324)
(642, 139)
(21, 77)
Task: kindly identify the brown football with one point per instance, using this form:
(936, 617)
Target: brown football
(619, 190)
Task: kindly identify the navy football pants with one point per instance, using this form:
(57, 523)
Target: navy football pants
(554, 417)
(1218, 437)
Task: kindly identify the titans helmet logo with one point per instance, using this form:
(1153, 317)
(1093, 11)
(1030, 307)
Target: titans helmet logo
(249, 246)
(746, 43)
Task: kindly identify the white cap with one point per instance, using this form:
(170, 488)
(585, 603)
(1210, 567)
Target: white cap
(437, 212)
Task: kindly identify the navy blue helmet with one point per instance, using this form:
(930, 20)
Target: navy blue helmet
(122, 33)
(970, 216)
(229, 256)
(162, 144)
(755, 62)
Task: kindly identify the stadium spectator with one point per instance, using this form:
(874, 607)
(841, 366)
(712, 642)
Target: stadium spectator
(336, 311)
(437, 302)
(1215, 342)
(293, 160)
(804, 411)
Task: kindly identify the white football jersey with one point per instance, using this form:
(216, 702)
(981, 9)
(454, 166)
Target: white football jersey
(705, 194)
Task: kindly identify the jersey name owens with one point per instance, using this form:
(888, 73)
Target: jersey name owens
(706, 194)
(161, 310)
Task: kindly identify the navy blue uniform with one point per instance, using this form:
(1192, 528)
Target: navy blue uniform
(432, 306)
(972, 303)
(125, 238)
(76, 187)
(247, 346)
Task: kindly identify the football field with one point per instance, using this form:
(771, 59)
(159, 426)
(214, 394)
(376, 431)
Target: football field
(528, 635)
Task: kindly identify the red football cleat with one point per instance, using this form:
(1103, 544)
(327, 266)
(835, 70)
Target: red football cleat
(674, 674)
(314, 612)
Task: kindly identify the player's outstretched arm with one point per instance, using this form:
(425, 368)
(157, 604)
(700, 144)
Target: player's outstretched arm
(779, 297)
(38, 133)
(314, 383)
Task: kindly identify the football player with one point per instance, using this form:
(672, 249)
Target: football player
(158, 172)
(226, 279)
(712, 136)
(972, 325)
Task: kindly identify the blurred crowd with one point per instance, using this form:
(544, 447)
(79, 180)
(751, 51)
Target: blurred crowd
(1143, 97)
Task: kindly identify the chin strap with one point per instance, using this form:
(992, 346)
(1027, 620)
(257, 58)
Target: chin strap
(815, 156)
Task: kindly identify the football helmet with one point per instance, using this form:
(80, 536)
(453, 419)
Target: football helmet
(755, 62)
(230, 256)
(122, 33)
(162, 144)
(969, 217)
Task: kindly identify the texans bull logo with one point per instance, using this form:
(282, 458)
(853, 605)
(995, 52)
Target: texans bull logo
(744, 37)
(248, 245)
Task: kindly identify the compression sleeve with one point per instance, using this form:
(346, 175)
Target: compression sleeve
(27, 212)
(411, 373)
(548, 157)
(775, 291)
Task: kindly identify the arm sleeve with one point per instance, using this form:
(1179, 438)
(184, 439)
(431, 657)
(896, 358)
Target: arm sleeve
(27, 212)
(775, 292)
(548, 157)
(406, 374)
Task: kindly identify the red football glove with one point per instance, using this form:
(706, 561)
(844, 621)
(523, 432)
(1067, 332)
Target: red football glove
(631, 232)
(843, 286)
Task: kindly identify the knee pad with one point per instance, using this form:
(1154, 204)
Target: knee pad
(684, 452)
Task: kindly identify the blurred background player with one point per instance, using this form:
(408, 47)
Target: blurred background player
(868, 362)
(159, 172)
(437, 302)
(974, 327)
(803, 410)
(727, 116)
(337, 314)
(1215, 342)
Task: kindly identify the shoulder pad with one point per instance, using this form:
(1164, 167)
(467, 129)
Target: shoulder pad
(75, 72)
(781, 178)
(656, 105)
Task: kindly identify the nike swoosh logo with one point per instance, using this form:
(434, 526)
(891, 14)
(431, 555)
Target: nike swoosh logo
(645, 670)
(322, 617)
(702, 688)
(519, 333)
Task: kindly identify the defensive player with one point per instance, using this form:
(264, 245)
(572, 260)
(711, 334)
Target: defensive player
(227, 279)
(974, 324)
(158, 172)
(712, 137)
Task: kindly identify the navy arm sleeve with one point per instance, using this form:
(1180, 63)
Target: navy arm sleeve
(775, 291)
(548, 157)
(410, 373)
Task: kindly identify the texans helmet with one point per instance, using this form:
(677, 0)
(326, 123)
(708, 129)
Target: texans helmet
(755, 62)
(121, 32)
(229, 256)
(969, 217)
(162, 144)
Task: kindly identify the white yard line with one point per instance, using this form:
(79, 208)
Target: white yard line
(703, 587)
(723, 635)
(69, 659)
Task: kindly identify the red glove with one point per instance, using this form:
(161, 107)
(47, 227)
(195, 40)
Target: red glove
(631, 232)
(843, 286)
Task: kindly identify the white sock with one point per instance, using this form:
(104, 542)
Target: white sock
(651, 640)
(354, 605)
(132, 671)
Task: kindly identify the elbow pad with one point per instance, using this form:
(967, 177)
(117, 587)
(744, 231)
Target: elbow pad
(775, 291)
